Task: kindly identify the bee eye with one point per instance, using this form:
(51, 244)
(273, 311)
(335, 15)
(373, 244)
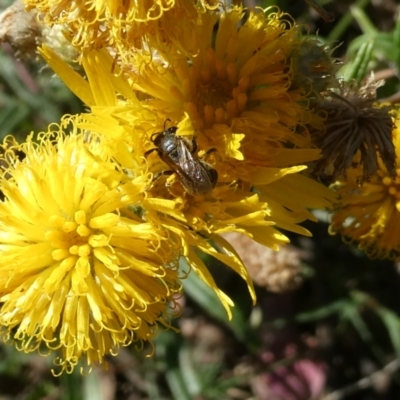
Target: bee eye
(171, 131)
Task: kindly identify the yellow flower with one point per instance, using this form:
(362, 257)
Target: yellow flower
(237, 82)
(80, 272)
(369, 215)
(233, 101)
(119, 26)
(235, 98)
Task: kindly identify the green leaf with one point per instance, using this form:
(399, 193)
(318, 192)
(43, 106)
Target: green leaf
(357, 70)
(323, 312)
(389, 318)
(204, 296)
(168, 347)
(190, 375)
(177, 385)
(92, 387)
(392, 323)
(342, 25)
(72, 386)
(396, 43)
(207, 299)
(351, 313)
(12, 114)
(383, 45)
(363, 21)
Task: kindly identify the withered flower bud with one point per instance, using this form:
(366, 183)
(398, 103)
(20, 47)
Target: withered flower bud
(313, 66)
(356, 131)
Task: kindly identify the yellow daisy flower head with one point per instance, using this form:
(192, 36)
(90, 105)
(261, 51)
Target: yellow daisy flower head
(368, 215)
(80, 272)
(118, 25)
(234, 99)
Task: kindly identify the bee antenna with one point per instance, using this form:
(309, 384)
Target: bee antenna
(165, 122)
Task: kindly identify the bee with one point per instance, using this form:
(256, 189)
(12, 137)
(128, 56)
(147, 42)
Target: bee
(196, 176)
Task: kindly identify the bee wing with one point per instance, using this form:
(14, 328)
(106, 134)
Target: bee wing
(192, 172)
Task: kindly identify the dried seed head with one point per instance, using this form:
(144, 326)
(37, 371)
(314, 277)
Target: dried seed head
(277, 271)
(21, 29)
(356, 131)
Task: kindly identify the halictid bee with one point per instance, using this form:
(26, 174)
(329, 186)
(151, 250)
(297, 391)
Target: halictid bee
(196, 175)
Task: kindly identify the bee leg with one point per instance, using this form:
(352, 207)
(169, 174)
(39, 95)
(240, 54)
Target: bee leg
(162, 173)
(194, 146)
(209, 151)
(146, 153)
